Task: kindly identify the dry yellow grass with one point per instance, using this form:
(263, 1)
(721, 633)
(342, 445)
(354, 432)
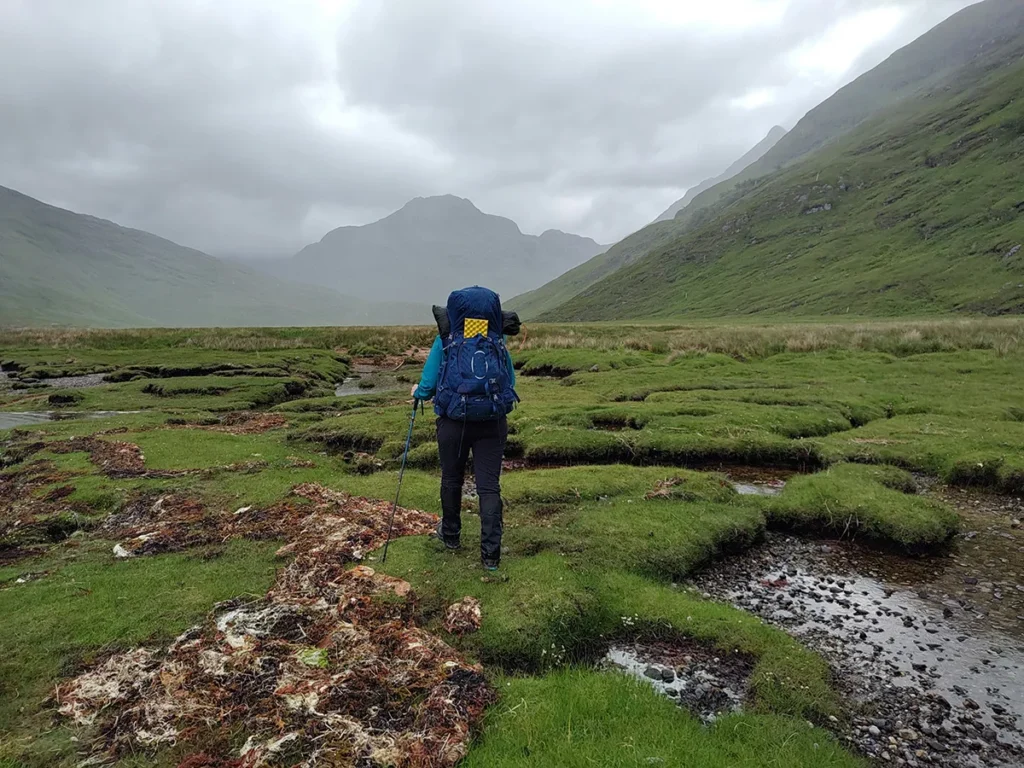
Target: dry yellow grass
(741, 338)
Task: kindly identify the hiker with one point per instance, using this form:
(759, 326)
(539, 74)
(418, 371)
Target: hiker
(470, 377)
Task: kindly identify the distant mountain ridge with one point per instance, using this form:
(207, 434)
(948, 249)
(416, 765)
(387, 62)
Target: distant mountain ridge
(756, 153)
(60, 267)
(430, 246)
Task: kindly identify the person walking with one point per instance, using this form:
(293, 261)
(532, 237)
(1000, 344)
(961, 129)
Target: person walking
(469, 376)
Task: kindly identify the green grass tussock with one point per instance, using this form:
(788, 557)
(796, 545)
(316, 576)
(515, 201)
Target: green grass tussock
(578, 718)
(855, 501)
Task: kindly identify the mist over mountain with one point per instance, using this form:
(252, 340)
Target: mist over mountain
(430, 246)
(756, 153)
(59, 267)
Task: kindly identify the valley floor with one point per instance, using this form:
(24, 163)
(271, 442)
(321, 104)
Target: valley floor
(667, 492)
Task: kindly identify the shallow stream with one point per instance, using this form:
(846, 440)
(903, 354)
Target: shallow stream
(929, 650)
(11, 419)
(369, 380)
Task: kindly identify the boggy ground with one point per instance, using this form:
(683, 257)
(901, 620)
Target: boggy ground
(124, 531)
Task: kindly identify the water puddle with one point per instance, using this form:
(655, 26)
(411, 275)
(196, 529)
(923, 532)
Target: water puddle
(12, 419)
(369, 380)
(704, 682)
(934, 680)
(754, 481)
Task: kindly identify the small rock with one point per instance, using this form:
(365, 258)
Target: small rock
(874, 731)
(971, 704)
(653, 672)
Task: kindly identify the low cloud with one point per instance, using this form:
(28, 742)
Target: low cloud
(253, 127)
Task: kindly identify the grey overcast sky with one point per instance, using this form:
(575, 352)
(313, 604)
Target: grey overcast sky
(255, 126)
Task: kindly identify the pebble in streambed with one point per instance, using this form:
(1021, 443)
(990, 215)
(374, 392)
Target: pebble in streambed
(931, 693)
(700, 680)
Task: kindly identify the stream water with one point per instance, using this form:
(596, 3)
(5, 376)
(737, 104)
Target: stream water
(929, 651)
(11, 419)
(369, 380)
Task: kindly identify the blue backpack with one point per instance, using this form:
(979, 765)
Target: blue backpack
(475, 383)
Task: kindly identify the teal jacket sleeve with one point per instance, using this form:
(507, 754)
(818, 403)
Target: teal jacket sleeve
(428, 379)
(427, 387)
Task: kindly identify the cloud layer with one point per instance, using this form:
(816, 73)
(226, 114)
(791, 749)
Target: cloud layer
(254, 126)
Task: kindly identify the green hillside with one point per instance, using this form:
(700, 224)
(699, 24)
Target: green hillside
(59, 267)
(952, 56)
(561, 289)
(628, 250)
(919, 211)
(775, 135)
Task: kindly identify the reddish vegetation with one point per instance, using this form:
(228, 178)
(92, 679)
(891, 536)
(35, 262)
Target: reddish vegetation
(119, 459)
(463, 617)
(328, 668)
(242, 423)
(24, 511)
(114, 457)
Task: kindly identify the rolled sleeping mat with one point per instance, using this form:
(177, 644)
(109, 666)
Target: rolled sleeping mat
(441, 318)
(510, 325)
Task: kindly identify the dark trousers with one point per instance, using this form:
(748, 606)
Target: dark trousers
(486, 439)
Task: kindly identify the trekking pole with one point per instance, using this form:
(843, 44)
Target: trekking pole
(401, 473)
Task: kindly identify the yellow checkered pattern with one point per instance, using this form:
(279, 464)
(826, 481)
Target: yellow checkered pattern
(474, 327)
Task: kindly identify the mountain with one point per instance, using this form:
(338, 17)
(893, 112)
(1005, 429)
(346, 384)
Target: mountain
(59, 267)
(981, 35)
(430, 246)
(628, 250)
(755, 154)
(918, 211)
(550, 295)
(948, 58)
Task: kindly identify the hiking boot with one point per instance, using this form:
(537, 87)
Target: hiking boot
(448, 543)
(490, 564)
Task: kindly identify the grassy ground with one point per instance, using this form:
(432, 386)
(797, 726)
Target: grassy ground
(598, 549)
